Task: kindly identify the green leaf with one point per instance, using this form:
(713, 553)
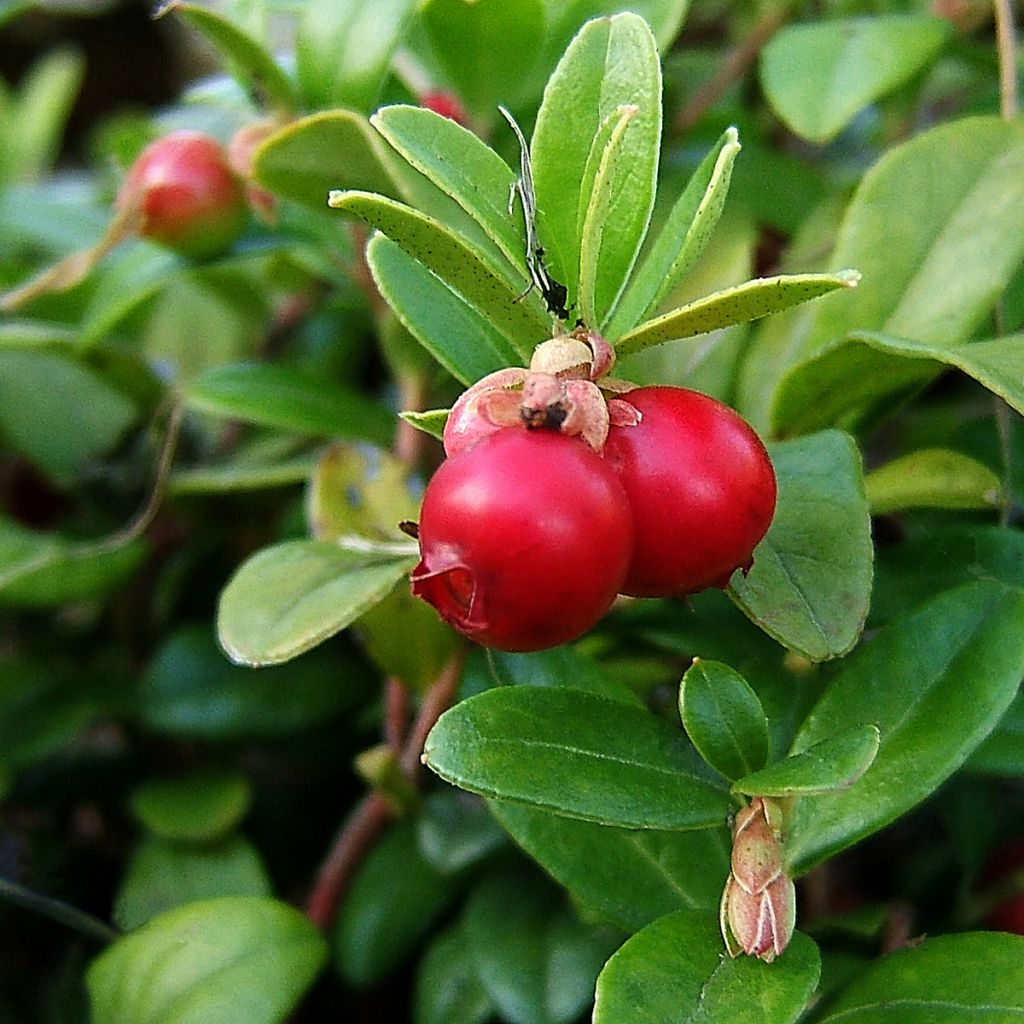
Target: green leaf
(163, 875)
(810, 586)
(456, 830)
(395, 897)
(935, 682)
(344, 48)
(723, 718)
(751, 301)
(234, 960)
(447, 988)
(949, 979)
(682, 238)
(308, 158)
(628, 876)
(40, 389)
(537, 962)
(198, 807)
(453, 332)
(612, 63)
(831, 764)
(954, 198)
(462, 267)
(932, 478)
(254, 66)
(676, 969)
(40, 570)
(487, 48)
(290, 597)
(431, 421)
(1002, 752)
(858, 377)
(191, 691)
(577, 754)
(461, 165)
(818, 76)
(290, 399)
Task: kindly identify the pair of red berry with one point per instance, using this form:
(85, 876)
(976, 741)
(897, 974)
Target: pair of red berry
(527, 535)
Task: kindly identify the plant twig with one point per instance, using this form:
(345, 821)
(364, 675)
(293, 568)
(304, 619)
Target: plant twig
(735, 65)
(58, 911)
(1006, 43)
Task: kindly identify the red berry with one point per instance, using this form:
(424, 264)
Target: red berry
(444, 103)
(701, 488)
(524, 540)
(186, 193)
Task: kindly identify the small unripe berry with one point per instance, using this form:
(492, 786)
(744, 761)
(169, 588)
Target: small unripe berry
(701, 487)
(524, 539)
(185, 195)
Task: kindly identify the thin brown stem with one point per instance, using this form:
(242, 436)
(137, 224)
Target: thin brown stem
(1006, 43)
(396, 713)
(736, 64)
(436, 701)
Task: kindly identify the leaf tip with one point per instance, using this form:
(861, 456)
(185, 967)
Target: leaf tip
(849, 277)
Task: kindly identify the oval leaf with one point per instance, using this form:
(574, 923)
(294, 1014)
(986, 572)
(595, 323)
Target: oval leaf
(818, 76)
(810, 586)
(750, 301)
(198, 807)
(723, 718)
(280, 396)
(932, 478)
(936, 682)
(235, 960)
(676, 969)
(630, 876)
(951, 979)
(577, 754)
(612, 62)
(830, 765)
(291, 597)
(447, 988)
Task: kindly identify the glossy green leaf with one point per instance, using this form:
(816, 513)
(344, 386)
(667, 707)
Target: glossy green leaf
(456, 830)
(810, 586)
(279, 396)
(288, 598)
(537, 962)
(39, 389)
(860, 376)
(344, 47)
(682, 238)
(332, 149)
(487, 48)
(234, 960)
(198, 807)
(459, 164)
(723, 718)
(609, 163)
(163, 875)
(453, 332)
(447, 988)
(676, 969)
(932, 478)
(191, 691)
(39, 570)
(936, 682)
(818, 76)
(954, 198)
(612, 63)
(457, 263)
(246, 56)
(628, 876)
(949, 979)
(831, 764)
(576, 754)
(394, 899)
(751, 301)
(1002, 752)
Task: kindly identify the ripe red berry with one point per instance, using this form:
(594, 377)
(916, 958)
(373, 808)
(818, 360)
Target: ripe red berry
(524, 539)
(444, 103)
(701, 488)
(186, 194)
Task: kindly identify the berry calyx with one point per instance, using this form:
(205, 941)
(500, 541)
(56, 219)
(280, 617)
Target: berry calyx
(525, 539)
(701, 488)
(183, 194)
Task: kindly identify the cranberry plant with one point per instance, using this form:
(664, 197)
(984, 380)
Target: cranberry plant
(673, 355)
